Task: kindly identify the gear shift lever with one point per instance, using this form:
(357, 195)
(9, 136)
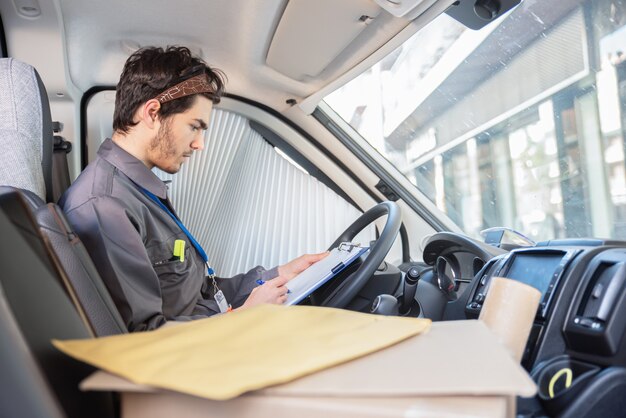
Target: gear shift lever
(411, 278)
(385, 305)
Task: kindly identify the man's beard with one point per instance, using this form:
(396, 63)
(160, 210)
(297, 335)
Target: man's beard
(163, 144)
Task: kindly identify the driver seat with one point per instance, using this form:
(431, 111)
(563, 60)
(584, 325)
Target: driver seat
(26, 183)
(40, 310)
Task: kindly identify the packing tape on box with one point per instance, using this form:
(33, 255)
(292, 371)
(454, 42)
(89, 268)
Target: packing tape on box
(509, 310)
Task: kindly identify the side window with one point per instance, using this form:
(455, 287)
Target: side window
(244, 201)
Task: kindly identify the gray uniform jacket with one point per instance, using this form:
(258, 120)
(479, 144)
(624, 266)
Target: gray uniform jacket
(131, 241)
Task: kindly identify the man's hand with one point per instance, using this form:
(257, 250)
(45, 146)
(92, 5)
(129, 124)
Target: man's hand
(275, 291)
(272, 291)
(298, 265)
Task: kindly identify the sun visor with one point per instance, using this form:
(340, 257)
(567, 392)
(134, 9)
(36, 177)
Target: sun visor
(311, 34)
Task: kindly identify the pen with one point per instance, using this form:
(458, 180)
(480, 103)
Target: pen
(261, 282)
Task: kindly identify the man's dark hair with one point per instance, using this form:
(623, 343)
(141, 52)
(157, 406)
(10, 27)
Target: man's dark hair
(150, 71)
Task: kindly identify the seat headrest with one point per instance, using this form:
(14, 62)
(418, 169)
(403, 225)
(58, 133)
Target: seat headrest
(26, 135)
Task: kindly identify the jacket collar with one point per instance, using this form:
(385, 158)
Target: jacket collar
(132, 167)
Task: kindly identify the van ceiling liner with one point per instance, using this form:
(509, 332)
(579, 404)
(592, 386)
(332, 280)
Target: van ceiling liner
(311, 34)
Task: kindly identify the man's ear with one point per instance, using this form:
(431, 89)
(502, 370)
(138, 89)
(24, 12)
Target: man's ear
(150, 112)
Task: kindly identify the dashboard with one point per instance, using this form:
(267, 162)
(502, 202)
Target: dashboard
(579, 326)
(583, 299)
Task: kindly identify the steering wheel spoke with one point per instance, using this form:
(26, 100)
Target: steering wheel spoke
(342, 289)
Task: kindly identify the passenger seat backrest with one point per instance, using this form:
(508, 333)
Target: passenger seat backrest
(26, 135)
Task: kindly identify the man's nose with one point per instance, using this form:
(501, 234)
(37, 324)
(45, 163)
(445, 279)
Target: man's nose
(198, 143)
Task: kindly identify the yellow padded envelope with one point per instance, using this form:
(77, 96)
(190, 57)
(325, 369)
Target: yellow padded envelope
(224, 356)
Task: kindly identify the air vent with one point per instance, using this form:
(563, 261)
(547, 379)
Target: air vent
(601, 294)
(597, 323)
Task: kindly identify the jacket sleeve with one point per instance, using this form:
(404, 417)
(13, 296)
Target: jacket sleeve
(236, 289)
(115, 244)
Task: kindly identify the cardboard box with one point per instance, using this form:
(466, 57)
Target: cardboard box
(458, 368)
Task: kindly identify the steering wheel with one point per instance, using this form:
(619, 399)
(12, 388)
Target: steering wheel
(352, 285)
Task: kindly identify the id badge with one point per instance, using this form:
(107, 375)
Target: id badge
(221, 301)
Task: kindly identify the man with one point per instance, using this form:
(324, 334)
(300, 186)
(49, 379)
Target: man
(152, 266)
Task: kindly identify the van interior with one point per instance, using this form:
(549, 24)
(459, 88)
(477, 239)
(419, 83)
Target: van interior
(460, 140)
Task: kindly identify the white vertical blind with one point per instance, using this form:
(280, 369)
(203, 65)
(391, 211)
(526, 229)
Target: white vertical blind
(248, 206)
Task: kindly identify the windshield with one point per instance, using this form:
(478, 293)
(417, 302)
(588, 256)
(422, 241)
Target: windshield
(520, 124)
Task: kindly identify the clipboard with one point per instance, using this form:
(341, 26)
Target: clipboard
(319, 273)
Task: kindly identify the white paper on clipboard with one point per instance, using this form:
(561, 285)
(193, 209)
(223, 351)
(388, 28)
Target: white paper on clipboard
(319, 273)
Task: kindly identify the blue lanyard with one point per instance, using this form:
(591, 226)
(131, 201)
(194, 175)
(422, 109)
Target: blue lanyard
(182, 227)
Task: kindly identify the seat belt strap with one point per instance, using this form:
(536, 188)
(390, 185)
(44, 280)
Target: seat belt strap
(60, 169)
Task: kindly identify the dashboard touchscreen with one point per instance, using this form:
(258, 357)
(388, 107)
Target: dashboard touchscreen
(535, 270)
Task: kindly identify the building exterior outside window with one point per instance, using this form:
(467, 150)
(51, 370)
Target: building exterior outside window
(520, 124)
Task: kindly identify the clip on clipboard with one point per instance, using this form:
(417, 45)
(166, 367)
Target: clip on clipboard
(319, 273)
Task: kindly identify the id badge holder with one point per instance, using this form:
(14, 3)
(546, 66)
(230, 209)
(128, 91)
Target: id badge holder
(221, 301)
(218, 295)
